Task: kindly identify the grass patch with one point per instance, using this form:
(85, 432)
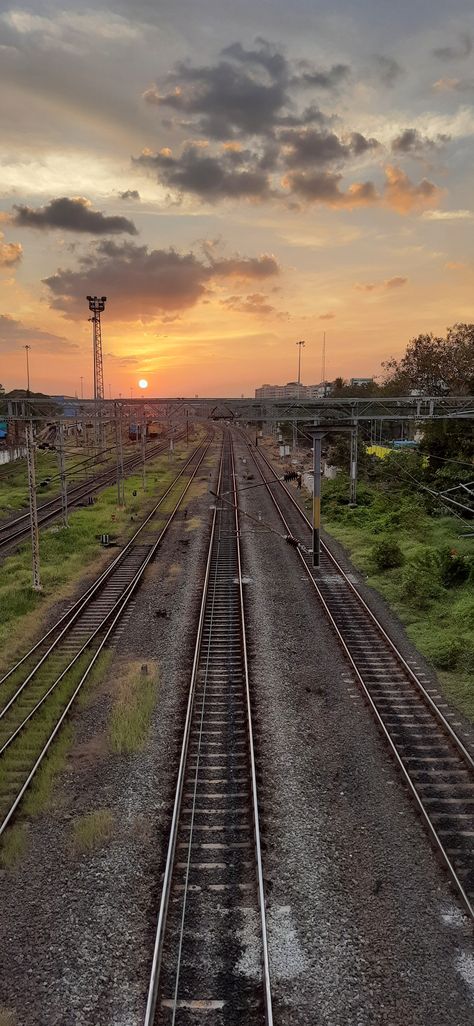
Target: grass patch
(92, 831)
(67, 553)
(430, 583)
(8, 1017)
(133, 707)
(40, 795)
(192, 523)
(12, 847)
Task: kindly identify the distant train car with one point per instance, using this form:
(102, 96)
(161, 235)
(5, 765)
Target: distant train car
(155, 429)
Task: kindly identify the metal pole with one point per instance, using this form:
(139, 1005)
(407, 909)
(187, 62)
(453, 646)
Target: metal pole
(82, 386)
(62, 474)
(27, 349)
(317, 439)
(143, 447)
(187, 427)
(118, 435)
(353, 467)
(30, 459)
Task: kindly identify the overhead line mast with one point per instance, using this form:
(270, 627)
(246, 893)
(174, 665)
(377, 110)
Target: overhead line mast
(97, 306)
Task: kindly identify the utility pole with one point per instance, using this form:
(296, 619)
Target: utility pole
(30, 460)
(97, 306)
(353, 466)
(318, 435)
(323, 367)
(301, 346)
(27, 350)
(62, 474)
(144, 447)
(82, 386)
(118, 436)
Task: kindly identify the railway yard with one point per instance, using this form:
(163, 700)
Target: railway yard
(231, 791)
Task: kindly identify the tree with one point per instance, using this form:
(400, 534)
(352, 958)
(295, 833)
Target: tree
(435, 366)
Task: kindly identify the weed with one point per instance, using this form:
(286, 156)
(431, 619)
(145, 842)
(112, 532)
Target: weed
(12, 847)
(132, 710)
(92, 830)
(387, 554)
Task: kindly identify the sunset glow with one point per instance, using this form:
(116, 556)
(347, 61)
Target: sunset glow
(306, 173)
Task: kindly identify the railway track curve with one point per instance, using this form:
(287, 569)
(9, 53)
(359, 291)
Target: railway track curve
(436, 766)
(213, 881)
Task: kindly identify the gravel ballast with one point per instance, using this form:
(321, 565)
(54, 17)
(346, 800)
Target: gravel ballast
(363, 927)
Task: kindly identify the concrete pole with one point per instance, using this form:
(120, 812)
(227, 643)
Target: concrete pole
(119, 446)
(317, 440)
(353, 466)
(62, 474)
(144, 447)
(30, 459)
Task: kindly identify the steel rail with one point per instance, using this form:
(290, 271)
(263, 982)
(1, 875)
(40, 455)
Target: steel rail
(206, 616)
(261, 889)
(80, 491)
(443, 723)
(74, 611)
(119, 609)
(152, 996)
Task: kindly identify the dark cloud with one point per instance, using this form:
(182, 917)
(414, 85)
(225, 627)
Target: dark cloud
(143, 283)
(317, 79)
(412, 141)
(311, 147)
(14, 334)
(385, 69)
(230, 174)
(248, 92)
(456, 53)
(130, 194)
(72, 215)
(324, 187)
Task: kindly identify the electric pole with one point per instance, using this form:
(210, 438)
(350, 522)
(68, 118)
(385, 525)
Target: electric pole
(301, 346)
(27, 350)
(30, 460)
(118, 435)
(62, 474)
(353, 466)
(96, 307)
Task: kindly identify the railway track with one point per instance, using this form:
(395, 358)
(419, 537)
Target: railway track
(37, 694)
(435, 764)
(212, 889)
(16, 530)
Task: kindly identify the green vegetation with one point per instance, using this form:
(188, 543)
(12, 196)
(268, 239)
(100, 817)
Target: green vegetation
(416, 556)
(12, 846)
(7, 1017)
(14, 483)
(92, 830)
(66, 553)
(130, 721)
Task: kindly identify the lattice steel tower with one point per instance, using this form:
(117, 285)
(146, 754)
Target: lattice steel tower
(97, 306)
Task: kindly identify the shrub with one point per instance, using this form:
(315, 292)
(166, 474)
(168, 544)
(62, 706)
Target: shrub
(419, 587)
(453, 568)
(387, 554)
(444, 652)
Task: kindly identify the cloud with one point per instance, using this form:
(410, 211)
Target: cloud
(229, 174)
(327, 316)
(385, 69)
(448, 215)
(381, 286)
(412, 141)
(256, 303)
(130, 194)
(455, 85)
(72, 215)
(309, 147)
(14, 334)
(143, 283)
(455, 53)
(10, 252)
(247, 92)
(402, 195)
(324, 187)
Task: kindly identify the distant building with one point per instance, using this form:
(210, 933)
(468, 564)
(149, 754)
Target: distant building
(358, 382)
(289, 391)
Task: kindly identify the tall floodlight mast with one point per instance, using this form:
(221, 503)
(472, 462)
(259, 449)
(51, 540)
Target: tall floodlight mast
(96, 307)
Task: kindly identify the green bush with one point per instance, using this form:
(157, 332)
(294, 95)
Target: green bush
(453, 568)
(419, 587)
(444, 652)
(387, 554)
